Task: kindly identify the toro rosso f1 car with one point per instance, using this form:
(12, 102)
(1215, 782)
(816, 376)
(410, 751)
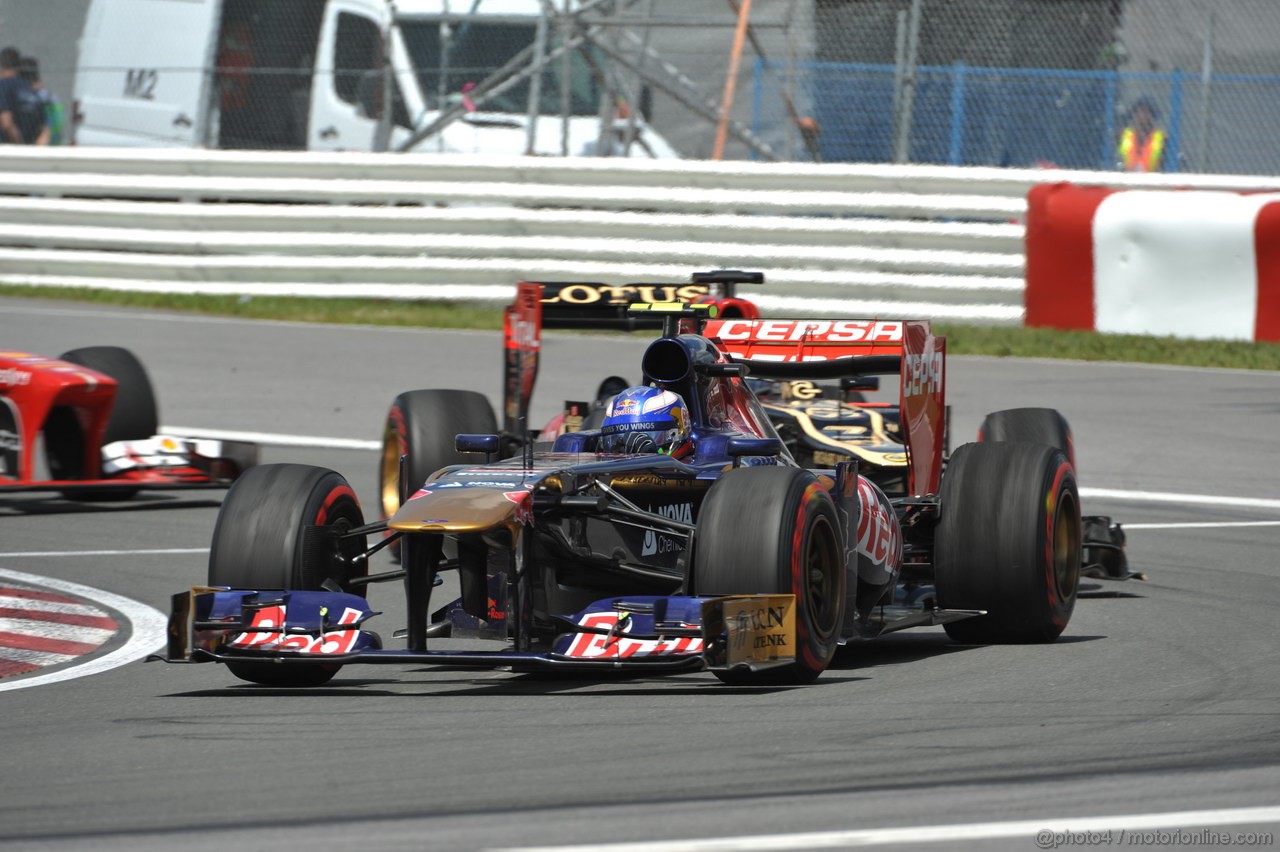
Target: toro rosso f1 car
(820, 422)
(94, 412)
(732, 558)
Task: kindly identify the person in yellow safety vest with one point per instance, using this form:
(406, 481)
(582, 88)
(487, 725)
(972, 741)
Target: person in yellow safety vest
(1142, 143)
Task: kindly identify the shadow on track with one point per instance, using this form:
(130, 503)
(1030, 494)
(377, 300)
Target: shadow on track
(140, 503)
(1095, 591)
(511, 687)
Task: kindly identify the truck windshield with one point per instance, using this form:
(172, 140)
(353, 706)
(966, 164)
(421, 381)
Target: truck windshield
(447, 61)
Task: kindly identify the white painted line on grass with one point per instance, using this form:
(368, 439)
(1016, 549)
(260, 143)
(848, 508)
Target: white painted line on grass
(148, 633)
(1160, 829)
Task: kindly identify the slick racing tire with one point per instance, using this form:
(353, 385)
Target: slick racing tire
(265, 538)
(1008, 542)
(422, 424)
(774, 530)
(1032, 426)
(1047, 426)
(133, 417)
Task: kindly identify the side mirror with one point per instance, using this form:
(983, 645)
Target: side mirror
(737, 447)
(487, 444)
(716, 370)
(860, 383)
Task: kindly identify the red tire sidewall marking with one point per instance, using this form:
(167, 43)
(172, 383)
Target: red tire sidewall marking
(799, 576)
(322, 517)
(1050, 573)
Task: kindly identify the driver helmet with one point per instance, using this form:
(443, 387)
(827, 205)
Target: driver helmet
(645, 420)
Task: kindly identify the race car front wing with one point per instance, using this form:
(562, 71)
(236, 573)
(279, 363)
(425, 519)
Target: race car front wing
(643, 633)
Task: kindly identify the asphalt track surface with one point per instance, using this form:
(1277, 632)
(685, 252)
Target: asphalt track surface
(1161, 698)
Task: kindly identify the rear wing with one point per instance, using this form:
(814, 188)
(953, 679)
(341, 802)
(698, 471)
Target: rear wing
(558, 304)
(604, 306)
(827, 348)
(810, 348)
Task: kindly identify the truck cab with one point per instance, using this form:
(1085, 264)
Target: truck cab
(315, 75)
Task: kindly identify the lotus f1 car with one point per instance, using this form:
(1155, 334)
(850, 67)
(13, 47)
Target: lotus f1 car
(734, 559)
(94, 411)
(825, 423)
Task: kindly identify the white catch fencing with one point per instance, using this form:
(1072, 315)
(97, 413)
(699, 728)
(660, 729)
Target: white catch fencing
(936, 241)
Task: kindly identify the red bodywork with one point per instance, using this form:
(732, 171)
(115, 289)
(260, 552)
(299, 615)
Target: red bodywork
(64, 408)
(31, 387)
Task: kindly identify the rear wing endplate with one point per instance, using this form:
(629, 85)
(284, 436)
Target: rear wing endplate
(832, 348)
(522, 343)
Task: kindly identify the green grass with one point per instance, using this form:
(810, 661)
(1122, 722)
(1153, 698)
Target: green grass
(347, 311)
(998, 341)
(1089, 346)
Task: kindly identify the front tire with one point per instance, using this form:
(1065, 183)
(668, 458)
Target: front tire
(422, 424)
(774, 530)
(265, 538)
(1008, 542)
(134, 417)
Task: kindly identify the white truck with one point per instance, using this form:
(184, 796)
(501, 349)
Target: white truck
(311, 75)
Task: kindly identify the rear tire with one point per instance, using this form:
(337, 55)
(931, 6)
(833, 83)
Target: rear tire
(1008, 542)
(260, 542)
(774, 530)
(133, 417)
(1030, 426)
(1103, 545)
(422, 424)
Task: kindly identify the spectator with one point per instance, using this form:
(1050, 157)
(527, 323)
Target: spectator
(1142, 143)
(21, 114)
(53, 114)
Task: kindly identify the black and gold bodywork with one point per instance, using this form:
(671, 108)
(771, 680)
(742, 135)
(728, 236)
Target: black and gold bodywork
(824, 424)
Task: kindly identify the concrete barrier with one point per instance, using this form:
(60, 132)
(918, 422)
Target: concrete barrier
(868, 239)
(1197, 264)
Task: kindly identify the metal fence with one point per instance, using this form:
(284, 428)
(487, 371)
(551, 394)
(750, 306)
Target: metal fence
(1033, 82)
(973, 82)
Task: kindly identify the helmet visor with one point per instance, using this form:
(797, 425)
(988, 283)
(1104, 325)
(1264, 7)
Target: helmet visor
(638, 441)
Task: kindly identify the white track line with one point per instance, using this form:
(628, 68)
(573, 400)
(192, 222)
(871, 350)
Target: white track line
(1200, 525)
(279, 440)
(271, 438)
(149, 629)
(1191, 499)
(17, 554)
(1049, 833)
